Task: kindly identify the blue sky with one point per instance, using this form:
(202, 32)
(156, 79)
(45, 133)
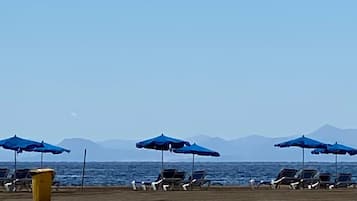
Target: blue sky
(135, 69)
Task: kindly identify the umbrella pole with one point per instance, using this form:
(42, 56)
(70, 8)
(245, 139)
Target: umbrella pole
(162, 159)
(303, 158)
(336, 163)
(15, 166)
(84, 167)
(303, 161)
(193, 163)
(41, 159)
(193, 166)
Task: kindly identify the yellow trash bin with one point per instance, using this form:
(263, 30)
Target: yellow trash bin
(41, 184)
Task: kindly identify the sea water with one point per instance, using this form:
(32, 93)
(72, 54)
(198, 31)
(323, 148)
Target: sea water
(221, 173)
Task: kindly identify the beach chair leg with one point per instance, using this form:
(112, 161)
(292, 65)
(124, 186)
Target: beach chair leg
(184, 186)
(208, 184)
(295, 185)
(252, 183)
(9, 186)
(143, 186)
(153, 185)
(29, 187)
(165, 187)
(274, 185)
(313, 186)
(133, 185)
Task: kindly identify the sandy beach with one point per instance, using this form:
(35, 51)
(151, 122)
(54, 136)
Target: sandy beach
(213, 194)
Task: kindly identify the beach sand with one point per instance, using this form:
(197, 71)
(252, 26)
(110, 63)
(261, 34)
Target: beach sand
(213, 194)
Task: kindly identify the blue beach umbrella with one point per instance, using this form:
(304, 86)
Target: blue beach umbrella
(337, 149)
(195, 149)
(162, 143)
(303, 142)
(49, 148)
(18, 145)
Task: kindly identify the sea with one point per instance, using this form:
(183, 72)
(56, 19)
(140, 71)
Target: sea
(220, 173)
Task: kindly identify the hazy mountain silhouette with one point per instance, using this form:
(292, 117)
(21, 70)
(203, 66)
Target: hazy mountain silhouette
(332, 134)
(250, 148)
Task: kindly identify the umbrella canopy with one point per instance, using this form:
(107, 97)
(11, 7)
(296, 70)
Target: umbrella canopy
(195, 149)
(341, 149)
(18, 145)
(337, 149)
(49, 148)
(303, 142)
(162, 143)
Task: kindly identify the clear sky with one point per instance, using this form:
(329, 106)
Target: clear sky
(134, 69)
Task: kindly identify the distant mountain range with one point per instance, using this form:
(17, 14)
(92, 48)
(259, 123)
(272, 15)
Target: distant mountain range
(252, 148)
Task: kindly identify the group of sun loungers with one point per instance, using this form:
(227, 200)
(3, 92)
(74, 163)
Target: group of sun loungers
(170, 179)
(308, 178)
(11, 183)
(22, 180)
(173, 179)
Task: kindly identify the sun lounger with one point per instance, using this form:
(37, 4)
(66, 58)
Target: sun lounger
(197, 179)
(305, 178)
(165, 174)
(285, 177)
(324, 181)
(175, 181)
(144, 184)
(343, 180)
(22, 180)
(4, 176)
(170, 179)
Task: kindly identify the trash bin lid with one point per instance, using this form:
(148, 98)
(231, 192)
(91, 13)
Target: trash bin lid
(38, 171)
